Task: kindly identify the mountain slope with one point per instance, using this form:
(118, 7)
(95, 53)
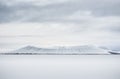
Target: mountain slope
(62, 50)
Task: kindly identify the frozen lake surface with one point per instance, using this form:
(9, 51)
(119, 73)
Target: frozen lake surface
(60, 67)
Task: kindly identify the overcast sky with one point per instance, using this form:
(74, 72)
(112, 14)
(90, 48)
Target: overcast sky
(59, 22)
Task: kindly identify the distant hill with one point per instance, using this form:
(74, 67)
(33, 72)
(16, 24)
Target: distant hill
(114, 52)
(71, 50)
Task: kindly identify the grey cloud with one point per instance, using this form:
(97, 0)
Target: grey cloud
(115, 29)
(4, 13)
(107, 10)
(28, 12)
(54, 12)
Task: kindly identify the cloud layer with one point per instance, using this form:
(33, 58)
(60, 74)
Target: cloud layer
(60, 22)
(54, 10)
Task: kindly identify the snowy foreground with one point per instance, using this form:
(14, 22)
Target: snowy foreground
(72, 50)
(60, 67)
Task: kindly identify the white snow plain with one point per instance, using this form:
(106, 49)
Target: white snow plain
(60, 67)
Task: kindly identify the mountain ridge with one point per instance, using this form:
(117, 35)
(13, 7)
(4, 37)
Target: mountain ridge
(62, 50)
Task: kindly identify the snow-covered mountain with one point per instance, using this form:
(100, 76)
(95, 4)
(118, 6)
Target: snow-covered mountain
(115, 52)
(72, 50)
